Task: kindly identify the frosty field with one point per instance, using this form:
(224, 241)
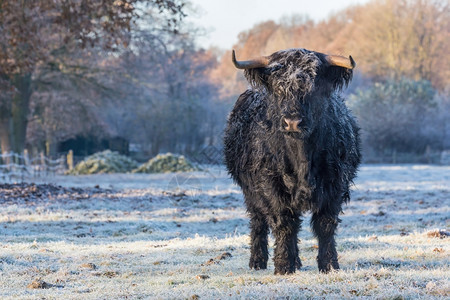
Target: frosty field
(185, 236)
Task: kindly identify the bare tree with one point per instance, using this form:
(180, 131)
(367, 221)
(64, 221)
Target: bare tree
(32, 31)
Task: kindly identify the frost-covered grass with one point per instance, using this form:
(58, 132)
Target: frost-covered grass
(141, 236)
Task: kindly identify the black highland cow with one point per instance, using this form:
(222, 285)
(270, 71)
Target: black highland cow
(293, 146)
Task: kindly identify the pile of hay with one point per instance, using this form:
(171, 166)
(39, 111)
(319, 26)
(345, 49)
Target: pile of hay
(104, 162)
(167, 163)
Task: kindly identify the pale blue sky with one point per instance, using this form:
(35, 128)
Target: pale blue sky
(224, 19)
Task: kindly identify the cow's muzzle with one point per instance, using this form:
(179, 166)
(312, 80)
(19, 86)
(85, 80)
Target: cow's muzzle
(291, 125)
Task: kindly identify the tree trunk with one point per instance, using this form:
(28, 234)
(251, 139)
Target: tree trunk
(5, 137)
(5, 130)
(5, 114)
(20, 109)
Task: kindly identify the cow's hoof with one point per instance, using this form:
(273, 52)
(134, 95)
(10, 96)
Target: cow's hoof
(284, 270)
(326, 268)
(298, 263)
(257, 264)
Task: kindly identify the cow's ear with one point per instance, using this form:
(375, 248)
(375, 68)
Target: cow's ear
(338, 70)
(340, 77)
(258, 77)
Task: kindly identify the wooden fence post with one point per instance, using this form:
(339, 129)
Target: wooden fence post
(43, 164)
(26, 158)
(70, 160)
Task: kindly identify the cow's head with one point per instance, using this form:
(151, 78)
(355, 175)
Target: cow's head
(298, 83)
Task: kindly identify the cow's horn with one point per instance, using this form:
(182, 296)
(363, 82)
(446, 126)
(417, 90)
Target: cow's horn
(341, 61)
(259, 62)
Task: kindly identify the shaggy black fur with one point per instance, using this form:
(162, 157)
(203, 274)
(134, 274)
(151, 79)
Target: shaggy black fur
(283, 174)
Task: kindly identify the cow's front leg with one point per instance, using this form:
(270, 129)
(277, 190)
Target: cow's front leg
(324, 227)
(259, 231)
(285, 227)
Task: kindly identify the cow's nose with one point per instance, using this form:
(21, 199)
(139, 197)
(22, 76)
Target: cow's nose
(291, 125)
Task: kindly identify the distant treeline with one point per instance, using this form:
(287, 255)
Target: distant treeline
(401, 86)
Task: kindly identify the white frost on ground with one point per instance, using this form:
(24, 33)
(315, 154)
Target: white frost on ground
(141, 236)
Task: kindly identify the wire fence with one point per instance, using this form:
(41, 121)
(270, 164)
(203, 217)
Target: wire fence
(430, 157)
(14, 166)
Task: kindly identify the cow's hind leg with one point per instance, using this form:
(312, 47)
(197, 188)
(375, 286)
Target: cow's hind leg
(285, 228)
(259, 231)
(298, 262)
(324, 226)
